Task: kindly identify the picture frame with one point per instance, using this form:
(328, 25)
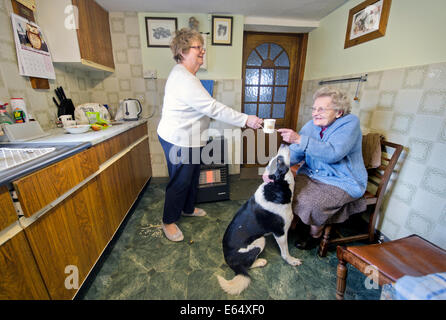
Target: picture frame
(222, 30)
(367, 21)
(160, 31)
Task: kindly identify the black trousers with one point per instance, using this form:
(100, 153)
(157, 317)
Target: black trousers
(184, 172)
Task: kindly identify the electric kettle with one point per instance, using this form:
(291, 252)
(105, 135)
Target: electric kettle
(131, 109)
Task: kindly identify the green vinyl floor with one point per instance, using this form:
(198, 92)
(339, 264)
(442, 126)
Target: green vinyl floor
(140, 263)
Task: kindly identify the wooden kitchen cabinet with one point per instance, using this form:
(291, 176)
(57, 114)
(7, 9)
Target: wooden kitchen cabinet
(74, 233)
(7, 212)
(20, 278)
(87, 43)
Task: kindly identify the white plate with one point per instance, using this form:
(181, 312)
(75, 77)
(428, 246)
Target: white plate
(79, 128)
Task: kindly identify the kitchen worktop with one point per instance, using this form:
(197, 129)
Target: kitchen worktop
(59, 135)
(67, 144)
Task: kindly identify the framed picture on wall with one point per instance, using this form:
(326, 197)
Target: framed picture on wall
(367, 21)
(221, 31)
(160, 31)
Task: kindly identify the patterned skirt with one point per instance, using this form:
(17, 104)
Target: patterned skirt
(317, 203)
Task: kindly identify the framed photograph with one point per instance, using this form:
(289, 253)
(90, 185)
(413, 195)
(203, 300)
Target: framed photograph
(160, 31)
(221, 31)
(367, 21)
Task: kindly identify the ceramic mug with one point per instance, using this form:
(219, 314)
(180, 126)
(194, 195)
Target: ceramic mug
(69, 123)
(269, 125)
(64, 118)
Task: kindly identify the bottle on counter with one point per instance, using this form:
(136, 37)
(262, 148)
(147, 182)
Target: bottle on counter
(4, 116)
(19, 115)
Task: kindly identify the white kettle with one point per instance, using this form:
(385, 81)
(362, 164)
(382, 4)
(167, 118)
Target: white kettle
(130, 109)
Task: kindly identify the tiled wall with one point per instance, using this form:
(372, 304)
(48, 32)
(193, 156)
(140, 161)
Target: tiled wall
(408, 106)
(98, 86)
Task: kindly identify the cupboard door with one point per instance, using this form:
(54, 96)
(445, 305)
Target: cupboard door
(40, 188)
(7, 212)
(94, 33)
(20, 278)
(68, 240)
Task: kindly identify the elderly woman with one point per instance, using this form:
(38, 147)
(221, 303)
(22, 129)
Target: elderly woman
(186, 114)
(330, 184)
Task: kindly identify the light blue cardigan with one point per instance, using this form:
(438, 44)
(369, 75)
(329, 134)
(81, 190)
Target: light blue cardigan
(336, 159)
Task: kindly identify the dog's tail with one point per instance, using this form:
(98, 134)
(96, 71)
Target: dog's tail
(235, 286)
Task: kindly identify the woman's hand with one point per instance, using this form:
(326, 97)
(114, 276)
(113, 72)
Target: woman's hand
(254, 122)
(289, 135)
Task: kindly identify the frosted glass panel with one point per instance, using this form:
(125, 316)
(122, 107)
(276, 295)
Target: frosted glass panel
(254, 59)
(266, 94)
(282, 60)
(275, 50)
(282, 77)
(278, 111)
(280, 94)
(264, 110)
(251, 109)
(251, 93)
(267, 76)
(252, 76)
(263, 50)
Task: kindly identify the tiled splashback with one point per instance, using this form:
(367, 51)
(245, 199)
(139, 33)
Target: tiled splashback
(101, 87)
(408, 106)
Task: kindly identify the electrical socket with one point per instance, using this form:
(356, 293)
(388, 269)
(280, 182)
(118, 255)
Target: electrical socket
(150, 74)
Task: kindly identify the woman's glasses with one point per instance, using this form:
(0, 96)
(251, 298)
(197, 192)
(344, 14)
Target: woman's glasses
(198, 47)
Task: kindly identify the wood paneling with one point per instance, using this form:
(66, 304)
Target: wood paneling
(38, 189)
(94, 33)
(20, 278)
(7, 212)
(71, 234)
(76, 231)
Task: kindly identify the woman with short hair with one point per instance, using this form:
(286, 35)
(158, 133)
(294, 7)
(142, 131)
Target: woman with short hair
(186, 114)
(332, 180)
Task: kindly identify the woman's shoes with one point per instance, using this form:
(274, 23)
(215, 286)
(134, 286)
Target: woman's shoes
(197, 213)
(308, 243)
(178, 236)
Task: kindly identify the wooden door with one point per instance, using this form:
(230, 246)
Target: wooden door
(273, 66)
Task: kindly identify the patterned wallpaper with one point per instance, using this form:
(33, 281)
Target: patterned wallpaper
(408, 106)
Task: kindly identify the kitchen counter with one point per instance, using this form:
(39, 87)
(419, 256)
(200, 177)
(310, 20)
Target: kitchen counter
(66, 144)
(59, 135)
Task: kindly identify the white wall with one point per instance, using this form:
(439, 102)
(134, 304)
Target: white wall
(223, 62)
(414, 36)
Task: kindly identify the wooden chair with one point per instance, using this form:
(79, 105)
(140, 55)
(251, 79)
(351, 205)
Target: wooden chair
(378, 179)
(387, 262)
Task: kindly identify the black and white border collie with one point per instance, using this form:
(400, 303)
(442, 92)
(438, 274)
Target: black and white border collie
(268, 211)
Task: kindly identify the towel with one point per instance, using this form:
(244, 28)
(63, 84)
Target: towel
(371, 150)
(429, 287)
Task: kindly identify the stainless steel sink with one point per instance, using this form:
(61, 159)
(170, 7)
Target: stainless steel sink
(11, 157)
(19, 159)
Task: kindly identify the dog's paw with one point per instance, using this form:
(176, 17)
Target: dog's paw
(294, 261)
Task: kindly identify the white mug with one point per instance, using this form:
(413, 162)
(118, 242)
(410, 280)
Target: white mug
(64, 118)
(69, 123)
(269, 125)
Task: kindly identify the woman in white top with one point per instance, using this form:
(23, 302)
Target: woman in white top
(186, 114)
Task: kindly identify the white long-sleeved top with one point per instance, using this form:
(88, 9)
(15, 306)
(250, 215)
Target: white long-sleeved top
(188, 109)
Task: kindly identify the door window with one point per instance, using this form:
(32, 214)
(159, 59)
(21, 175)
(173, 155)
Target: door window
(266, 81)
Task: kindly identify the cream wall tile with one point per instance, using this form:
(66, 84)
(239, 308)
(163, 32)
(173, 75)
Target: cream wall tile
(381, 121)
(434, 181)
(392, 80)
(426, 127)
(408, 100)
(435, 77)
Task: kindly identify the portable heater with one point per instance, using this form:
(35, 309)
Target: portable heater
(214, 177)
